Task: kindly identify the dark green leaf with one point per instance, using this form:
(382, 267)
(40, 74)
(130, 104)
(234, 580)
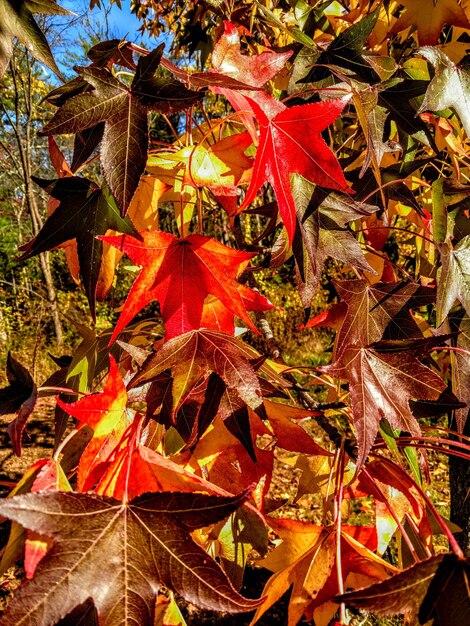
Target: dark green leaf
(17, 21)
(84, 212)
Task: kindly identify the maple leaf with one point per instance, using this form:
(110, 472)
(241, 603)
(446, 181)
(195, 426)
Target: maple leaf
(180, 274)
(435, 589)
(383, 378)
(192, 356)
(19, 397)
(18, 21)
(321, 233)
(290, 143)
(124, 110)
(454, 280)
(429, 18)
(105, 413)
(84, 212)
(450, 87)
(89, 529)
(306, 560)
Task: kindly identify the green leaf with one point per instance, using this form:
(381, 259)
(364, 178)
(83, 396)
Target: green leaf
(84, 212)
(454, 280)
(450, 87)
(17, 21)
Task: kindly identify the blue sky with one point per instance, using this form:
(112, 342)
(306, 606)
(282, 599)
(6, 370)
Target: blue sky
(122, 24)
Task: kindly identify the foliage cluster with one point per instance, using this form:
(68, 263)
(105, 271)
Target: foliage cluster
(168, 425)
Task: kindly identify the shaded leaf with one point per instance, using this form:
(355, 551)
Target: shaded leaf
(382, 383)
(19, 397)
(192, 356)
(84, 212)
(321, 233)
(124, 110)
(347, 51)
(18, 21)
(435, 589)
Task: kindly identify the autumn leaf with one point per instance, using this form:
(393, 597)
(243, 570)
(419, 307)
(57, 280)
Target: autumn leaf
(105, 413)
(255, 71)
(435, 589)
(84, 212)
(94, 533)
(18, 397)
(124, 111)
(18, 21)
(429, 18)
(113, 51)
(305, 560)
(290, 142)
(383, 378)
(454, 280)
(180, 274)
(51, 477)
(380, 311)
(450, 87)
(224, 461)
(321, 231)
(192, 356)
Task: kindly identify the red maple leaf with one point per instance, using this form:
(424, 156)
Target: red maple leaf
(290, 143)
(181, 274)
(105, 412)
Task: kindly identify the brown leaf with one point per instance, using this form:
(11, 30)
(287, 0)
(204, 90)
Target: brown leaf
(435, 589)
(119, 554)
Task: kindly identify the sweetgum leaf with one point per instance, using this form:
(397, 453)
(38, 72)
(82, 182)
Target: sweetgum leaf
(290, 142)
(435, 589)
(19, 397)
(118, 554)
(180, 274)
(17, 21)
(124, 110)
(113, 51)
(383, 378)
(450, 87)
(192, 356)
(380, 311)
(429, 18)
(347, 51)
(84, 212)
(454, 281)
(320, 232)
